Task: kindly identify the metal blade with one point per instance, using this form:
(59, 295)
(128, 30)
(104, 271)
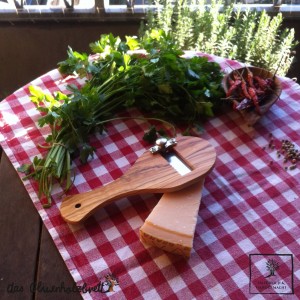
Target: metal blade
(176, 163)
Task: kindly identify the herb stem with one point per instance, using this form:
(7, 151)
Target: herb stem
(143, 119)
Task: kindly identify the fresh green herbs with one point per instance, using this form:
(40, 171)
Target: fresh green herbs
(226, 29)
(148, 74)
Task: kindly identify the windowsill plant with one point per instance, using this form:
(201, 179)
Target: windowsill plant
(249, 36)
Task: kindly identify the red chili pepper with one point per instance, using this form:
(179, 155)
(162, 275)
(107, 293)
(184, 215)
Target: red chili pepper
(245, 91)
(253, 97)
(249, 78)
(261, 83)
(233, 87)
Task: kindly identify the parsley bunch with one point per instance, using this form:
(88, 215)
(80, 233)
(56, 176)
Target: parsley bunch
(157, 81)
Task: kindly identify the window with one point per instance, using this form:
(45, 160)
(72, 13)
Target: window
(284, 6)
(16, 10)
(45, 6)
(123, 6)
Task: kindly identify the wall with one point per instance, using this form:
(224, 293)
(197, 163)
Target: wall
(28, 50)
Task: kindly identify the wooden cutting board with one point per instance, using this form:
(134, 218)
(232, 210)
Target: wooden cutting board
(151, 173)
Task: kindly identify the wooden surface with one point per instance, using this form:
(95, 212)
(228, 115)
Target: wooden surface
(151, 173)
(27, 252)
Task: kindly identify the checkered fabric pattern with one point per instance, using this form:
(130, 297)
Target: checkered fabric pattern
(249, 205)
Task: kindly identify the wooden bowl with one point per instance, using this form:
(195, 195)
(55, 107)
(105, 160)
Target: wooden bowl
(251, 115)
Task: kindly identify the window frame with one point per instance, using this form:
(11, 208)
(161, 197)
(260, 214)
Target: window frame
(17, 7)
(101, 10)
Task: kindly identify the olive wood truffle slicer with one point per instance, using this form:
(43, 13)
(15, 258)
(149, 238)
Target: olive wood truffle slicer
(169, 166)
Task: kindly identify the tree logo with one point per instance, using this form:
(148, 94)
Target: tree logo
(271, 273)
(272, 265)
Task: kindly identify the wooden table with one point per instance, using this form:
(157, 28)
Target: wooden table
(28, 254)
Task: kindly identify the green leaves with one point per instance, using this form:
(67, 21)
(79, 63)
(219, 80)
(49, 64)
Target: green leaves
(86, 152)
(25, 168)
(132, 43)
(227, 30)
(165, 89)
(152, 134)
(76, 62)
(37, 96)
(161, 83)
(106, 44)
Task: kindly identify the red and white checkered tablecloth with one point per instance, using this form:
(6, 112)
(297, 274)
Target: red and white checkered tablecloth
(249, 214)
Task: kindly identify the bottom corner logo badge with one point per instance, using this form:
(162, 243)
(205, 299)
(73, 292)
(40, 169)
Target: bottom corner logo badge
(271, 274)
